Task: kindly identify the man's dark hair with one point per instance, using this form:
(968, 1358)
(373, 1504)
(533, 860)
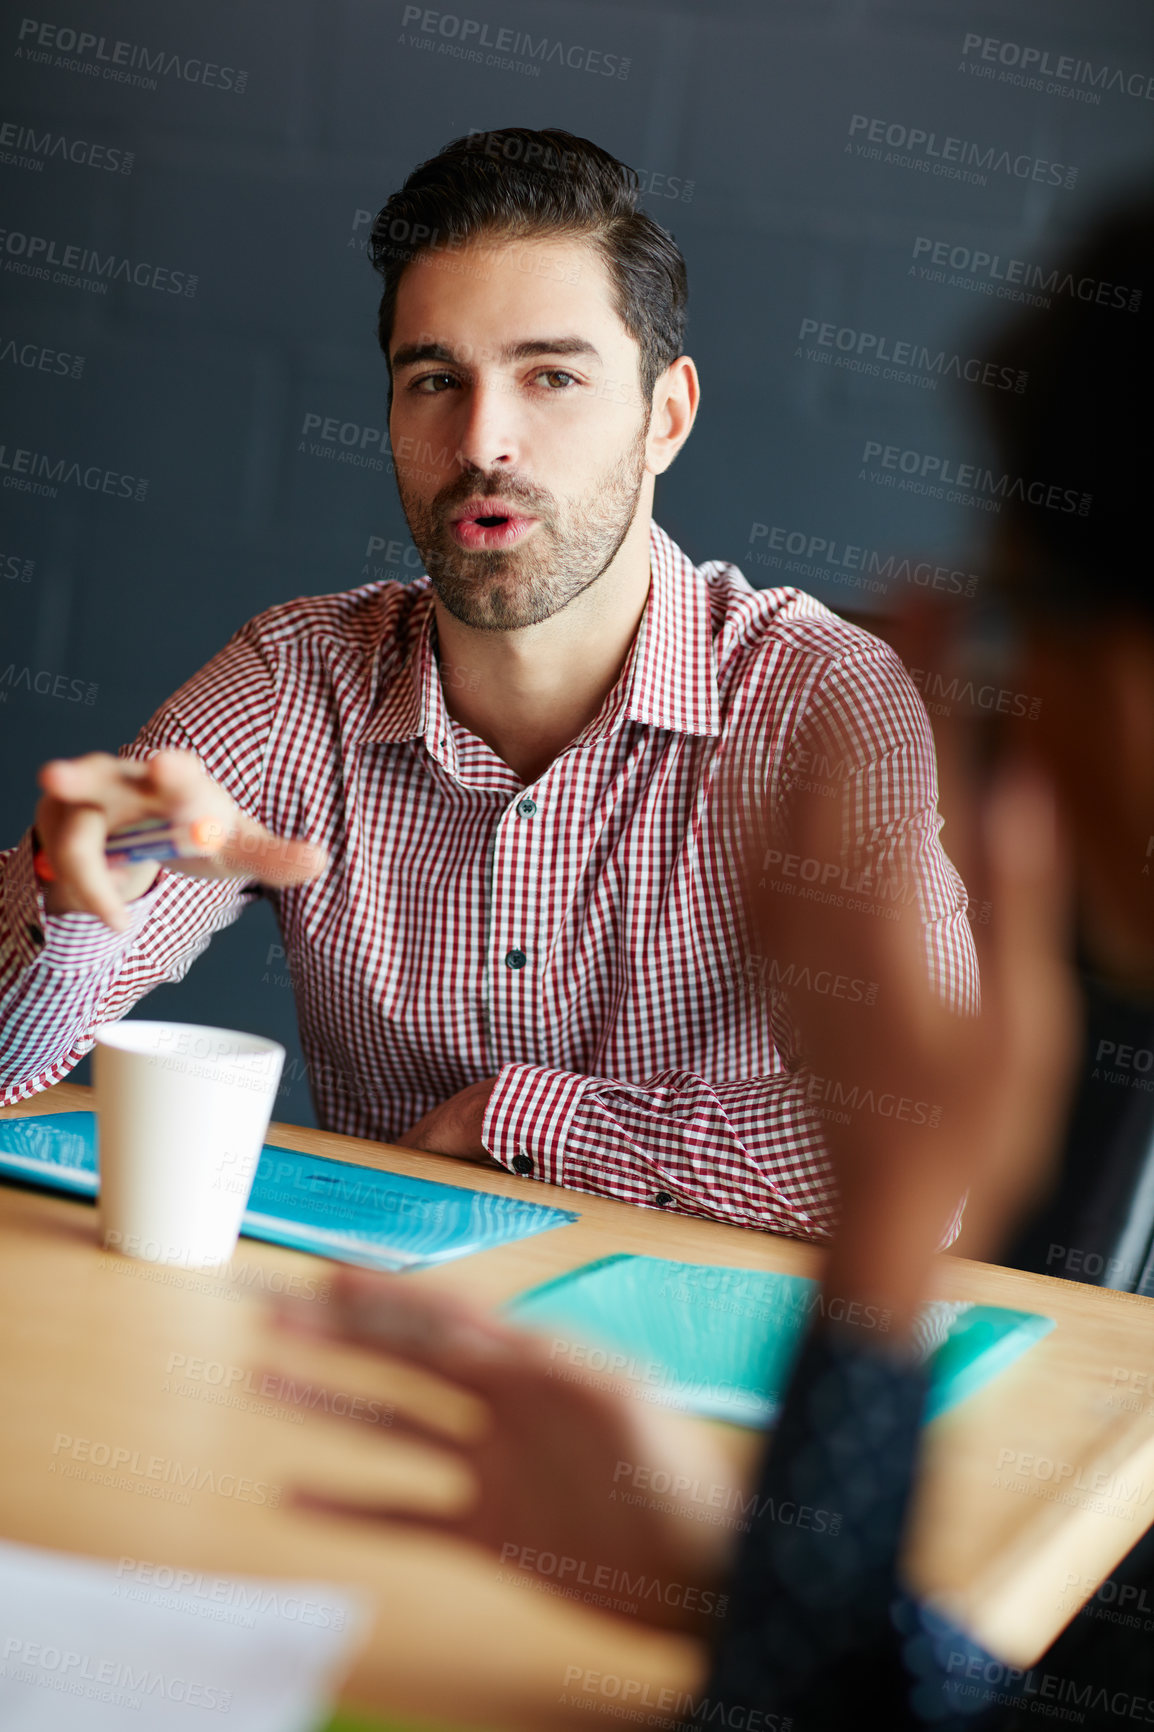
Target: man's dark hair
(517, 184)
(1085, 425)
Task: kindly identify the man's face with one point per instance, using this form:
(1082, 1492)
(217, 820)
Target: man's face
(518, 428)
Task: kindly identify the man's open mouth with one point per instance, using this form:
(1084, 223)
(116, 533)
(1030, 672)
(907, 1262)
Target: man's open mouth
(491, 528)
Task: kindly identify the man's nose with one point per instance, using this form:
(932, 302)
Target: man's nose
(488, 435)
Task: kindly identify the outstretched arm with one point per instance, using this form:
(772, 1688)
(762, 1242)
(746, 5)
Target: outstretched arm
(86, 947)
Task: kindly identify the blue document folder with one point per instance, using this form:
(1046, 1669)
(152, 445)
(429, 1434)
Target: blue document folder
(722, 1342)
(335, 1209)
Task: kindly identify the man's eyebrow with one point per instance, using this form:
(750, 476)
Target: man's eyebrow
(415, 354)
(549, 346)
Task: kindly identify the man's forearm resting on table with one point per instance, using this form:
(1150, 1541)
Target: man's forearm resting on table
(747, 1152)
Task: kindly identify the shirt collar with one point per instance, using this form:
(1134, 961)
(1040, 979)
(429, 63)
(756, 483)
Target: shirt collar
(669, 679)
(670, 675)
(411, 702)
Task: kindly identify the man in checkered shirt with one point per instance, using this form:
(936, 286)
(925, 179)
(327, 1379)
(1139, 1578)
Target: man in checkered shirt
(512, 907)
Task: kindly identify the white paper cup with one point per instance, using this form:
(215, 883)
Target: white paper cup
(182, 1112)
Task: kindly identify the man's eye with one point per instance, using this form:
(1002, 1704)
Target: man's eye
(554, 373)
(434, 381)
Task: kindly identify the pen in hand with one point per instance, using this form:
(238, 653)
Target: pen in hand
(153, 839)
(106, 828)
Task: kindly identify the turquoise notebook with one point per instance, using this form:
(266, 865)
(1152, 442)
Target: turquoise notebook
(722, 1342)
(333, 1208)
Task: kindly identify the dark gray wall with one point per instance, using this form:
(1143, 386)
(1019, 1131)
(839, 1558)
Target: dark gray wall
(262, 134)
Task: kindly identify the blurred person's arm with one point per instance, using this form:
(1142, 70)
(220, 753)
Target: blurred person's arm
(848, 1438)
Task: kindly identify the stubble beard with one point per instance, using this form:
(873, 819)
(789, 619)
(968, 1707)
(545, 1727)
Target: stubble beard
(568, 551)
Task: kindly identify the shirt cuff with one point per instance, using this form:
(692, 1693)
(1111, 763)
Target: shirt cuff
(65, 943)
(528, 1117)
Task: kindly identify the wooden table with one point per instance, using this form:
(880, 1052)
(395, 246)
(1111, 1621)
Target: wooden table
(89, 1340)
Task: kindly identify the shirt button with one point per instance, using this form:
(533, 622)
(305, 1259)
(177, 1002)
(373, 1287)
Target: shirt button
(662, 1198)
(526, 807)
(515, 959)
(522, 1163)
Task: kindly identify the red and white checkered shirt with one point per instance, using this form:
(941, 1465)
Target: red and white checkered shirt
(579, 938)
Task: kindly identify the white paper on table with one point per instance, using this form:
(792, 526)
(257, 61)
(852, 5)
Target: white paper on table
(104, 1646)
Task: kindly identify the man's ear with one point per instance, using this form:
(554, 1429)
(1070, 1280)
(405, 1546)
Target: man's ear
(675, 398)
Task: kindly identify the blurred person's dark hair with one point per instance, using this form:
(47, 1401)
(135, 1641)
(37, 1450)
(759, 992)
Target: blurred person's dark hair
(518, 184)
(1083, 423)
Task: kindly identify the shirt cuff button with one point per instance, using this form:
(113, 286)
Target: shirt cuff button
(662, 1198)
(522, 1163)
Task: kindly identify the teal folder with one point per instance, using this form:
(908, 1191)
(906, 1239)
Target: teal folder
(722, 1342)
(334, 1209)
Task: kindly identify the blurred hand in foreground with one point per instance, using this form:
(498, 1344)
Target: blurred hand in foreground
(561, 1451)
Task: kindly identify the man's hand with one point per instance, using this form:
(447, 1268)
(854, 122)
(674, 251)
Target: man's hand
(454, 1128)
(87, 798)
